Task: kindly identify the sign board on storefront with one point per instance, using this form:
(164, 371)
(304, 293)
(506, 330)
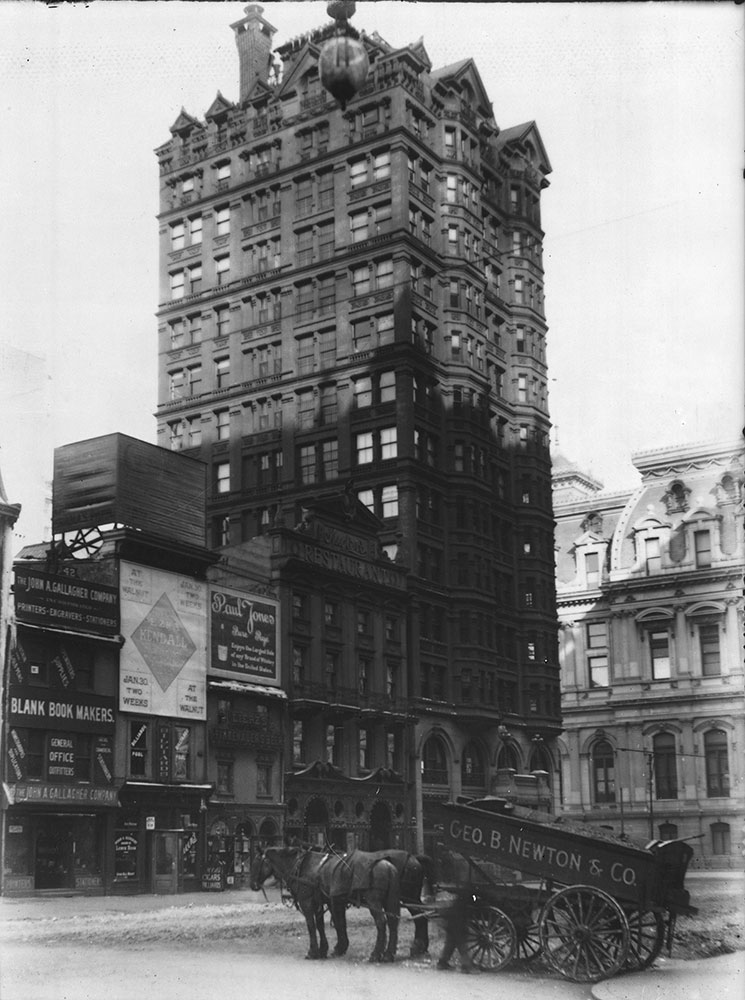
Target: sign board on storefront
(45, 792)
(244, 636)
(213, 878)
(65, 602)
(105, 480)
(162, 666)
(150, 822)
(68, 710)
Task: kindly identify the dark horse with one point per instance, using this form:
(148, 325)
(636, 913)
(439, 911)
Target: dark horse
(316, 879)
(413, 870)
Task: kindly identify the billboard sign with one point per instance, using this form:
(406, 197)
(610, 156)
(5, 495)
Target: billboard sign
(64, 602)
(162, 667)
(244, 636)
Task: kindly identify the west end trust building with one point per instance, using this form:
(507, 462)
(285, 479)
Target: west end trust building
(352, 373)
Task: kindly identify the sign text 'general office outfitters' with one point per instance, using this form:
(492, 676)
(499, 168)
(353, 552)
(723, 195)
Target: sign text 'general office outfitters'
(244, 632)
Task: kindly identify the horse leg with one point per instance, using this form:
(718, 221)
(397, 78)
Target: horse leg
(323, 947)
(339, 912)
(378, 915)
(310, 921)
(392, 913)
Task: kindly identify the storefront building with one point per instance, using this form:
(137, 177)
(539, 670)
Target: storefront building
(59, 789)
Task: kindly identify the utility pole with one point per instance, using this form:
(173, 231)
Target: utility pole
(650, 782)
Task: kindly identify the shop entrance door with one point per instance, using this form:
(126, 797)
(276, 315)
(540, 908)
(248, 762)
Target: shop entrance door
(53, 863)
(165, 877)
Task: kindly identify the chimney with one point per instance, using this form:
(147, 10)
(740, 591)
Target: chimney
(253, 36)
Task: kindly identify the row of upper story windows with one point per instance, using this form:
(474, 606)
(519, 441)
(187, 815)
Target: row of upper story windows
(660, 651)
(712, 767)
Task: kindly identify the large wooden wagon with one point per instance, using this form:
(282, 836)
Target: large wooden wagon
(591, 904)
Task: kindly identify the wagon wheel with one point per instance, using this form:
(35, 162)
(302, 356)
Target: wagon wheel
(491, 940)
(584, 934)
(646, 937)
(528, 939)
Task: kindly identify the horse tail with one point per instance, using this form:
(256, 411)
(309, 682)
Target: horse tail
(393, 893)
(430, 872)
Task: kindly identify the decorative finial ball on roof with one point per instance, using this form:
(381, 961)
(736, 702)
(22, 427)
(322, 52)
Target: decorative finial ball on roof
(342, 62)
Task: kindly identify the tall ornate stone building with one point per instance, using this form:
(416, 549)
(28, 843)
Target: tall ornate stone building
(649, 590)
(351, 303)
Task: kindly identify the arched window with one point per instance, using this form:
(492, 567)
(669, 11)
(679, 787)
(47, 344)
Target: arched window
(507, 757)
(720, 839)
(472, 767)
(603, 772)
(665, 773)
(434, 762)
(717, 764)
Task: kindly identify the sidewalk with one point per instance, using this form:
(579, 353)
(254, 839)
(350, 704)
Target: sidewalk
(720, 978)
(63, 906)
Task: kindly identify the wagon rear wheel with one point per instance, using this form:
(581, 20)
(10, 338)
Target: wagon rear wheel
(646, 937)
(491, 940)
(584, 934)
(528, 940)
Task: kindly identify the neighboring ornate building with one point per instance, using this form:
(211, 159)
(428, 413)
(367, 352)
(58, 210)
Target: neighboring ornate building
(351, 301)
(649, 587)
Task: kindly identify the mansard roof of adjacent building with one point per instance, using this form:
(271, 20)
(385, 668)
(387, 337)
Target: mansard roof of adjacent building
(680, 486)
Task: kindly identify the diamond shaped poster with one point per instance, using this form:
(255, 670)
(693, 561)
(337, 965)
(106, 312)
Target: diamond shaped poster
(162, 666)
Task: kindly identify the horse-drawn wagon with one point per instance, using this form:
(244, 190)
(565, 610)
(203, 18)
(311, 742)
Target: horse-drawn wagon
(591, 904)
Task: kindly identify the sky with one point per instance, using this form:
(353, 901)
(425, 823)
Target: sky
(640, 107)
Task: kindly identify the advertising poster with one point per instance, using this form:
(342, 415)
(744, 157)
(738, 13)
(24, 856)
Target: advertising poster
(163, 660)
(244, 634)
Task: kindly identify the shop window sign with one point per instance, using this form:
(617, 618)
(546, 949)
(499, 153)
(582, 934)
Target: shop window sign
(125, 856)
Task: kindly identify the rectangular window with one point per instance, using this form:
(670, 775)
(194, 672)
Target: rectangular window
(592, 569)
(177, 236)
(367, 499)
(225, 777)
(222, 422)
(389, 499)
(222, 269)
(177, 285)
(709, 644)
(222, 221)
(305, 354)
(364, 448)
(330, 459)
(358, 226)
(358, 173)
(305, 410)
(659, 645)
(384, 273)
(388, 443)
(222, 372)
(298, 742)
(307, 464)
(222, 320)
(702, 544)
(329, 407)
(652, 558)
(194, 431)
(362, 392)
(597, 635)
(365, 746)
(384, 327)
(264, 779)
(599, 676)
(195, 230)
(387, 387)
(381, 166)
(360, 280)
(327, 348)
(195, 328)
(222, 477)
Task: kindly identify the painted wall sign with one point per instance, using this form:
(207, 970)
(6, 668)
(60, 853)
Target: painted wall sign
(65, 602)
(547, 852)
(244, 636)
(20, 794)
(41, 708)
(162, 666)
(348, 565)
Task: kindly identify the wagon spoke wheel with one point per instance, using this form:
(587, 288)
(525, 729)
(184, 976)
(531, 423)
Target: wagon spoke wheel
(491, 940)
(584, 934)
(646, 937)
(528, 939)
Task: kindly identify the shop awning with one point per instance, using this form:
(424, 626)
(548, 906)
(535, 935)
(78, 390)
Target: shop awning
(245, 687)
